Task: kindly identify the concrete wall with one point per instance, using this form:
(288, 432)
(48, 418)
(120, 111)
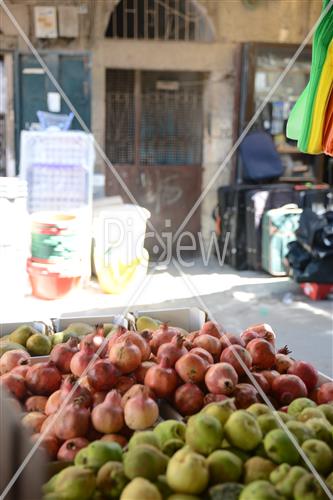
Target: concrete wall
(234, 22)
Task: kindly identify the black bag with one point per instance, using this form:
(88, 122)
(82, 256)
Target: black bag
(260, 159)
(318, 200)
(315, 233)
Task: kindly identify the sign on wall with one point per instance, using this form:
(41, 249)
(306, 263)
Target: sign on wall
(45, 22)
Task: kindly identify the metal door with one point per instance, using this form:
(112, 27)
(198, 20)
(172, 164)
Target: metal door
(154, 127)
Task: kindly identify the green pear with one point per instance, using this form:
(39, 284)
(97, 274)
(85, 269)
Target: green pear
(170, 447)
(145, 461)
(143, 437)
(260, 490)
(169, 429)
(224, 467)
(258, 409)
(220, 410)
(187, 472)
(111, 479)
(140, 488)
(243, 431)
(329, 481)
(10, 346)
(319, 454)
(327, 409)
(21, 334)
(321, 428)
(98, 453)
(298, 405)
(283, 416)
(257, 468)
(39, 345)
(267, 422)
(81, 329)
(307, 488)
(287, 484)
(204, 433)
(300, 431)
(146, 323)
(109, 327)
(163, 487)
(279, 448)
(183, 496)
(280, 473)
(226, 491)
(61, 337)
(243, 455)
(260, 451)
(308, 413)
(72, 483)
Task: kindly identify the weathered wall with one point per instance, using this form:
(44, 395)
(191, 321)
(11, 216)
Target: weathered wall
(285, 21)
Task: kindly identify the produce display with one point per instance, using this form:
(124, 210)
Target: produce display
(236, 404)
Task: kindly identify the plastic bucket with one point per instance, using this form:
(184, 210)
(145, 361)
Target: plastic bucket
(119, 234)
(51, 282)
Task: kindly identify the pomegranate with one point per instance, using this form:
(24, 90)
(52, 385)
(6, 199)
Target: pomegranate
(141, 371)
(108, 417)
(48, 426)
(325, 393)
(248, 335)
(190, 338)
(283, 363)
(33, 421)
(21, 369)
(228, 339)
(209, 343)
(140, 412)
(134, 390)
(115, 438)
(139, 340)
(162, 335)
(36, 403)
(262, 381)
(83, 358)
(270, 376)
(125, 355)
(191, 368)
(221, 378)
(172, 350)
(314, 395)
(306, 371)
(214, 398)
(43, 378)
(205, 355)
(102, 375)
(124, 383)
(98, 397)
(211, 328)
(50, 444)
(13, 358)
(286, 388)
(53, 402)
(73, 421)
(161, 378)
(245, 395)
(188, 399)
(15, 384)
(92, 434)
(62, 354)
(69, 449)
(264, 331)
(98, 341)
(70, 389)
(262, 353)
(232, 354)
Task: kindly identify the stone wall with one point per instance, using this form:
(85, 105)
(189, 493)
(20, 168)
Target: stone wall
(234, 21)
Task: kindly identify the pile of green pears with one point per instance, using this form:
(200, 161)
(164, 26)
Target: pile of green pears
(27, 338)
(219, 454)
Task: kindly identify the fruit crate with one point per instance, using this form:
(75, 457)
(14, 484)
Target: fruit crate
(189, 319)
(63, 322)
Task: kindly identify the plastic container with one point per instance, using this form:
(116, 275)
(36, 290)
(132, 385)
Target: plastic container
(119, 254)
(55, 121)
(51, 282)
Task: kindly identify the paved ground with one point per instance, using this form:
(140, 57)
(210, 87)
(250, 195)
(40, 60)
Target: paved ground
(236, 299)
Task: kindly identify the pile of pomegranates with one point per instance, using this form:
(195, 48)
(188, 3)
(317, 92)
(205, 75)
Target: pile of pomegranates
(108, 387)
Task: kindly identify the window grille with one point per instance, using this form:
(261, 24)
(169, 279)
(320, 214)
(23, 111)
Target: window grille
(183, 20)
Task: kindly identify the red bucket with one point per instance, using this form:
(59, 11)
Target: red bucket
(49, 282)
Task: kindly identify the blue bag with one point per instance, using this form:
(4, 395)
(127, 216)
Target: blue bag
(260, 159)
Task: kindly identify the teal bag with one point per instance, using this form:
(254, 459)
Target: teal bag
(278, 229)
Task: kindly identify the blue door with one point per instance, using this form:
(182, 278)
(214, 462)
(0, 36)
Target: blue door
(72, 71)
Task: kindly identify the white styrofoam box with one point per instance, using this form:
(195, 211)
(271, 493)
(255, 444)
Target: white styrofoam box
(62, 323)
(190, 319)
(40, 326)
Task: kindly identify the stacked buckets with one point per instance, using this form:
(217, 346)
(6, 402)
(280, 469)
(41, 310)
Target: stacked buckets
(55, 266)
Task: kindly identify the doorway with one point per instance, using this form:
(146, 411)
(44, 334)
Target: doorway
(154, 135)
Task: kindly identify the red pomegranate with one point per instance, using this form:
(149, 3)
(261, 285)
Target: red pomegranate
(325, 393)
(283, 363)
(43, 378)
(270, 376)
(162, 378)
(191, 368)
(211, 328)
(15, 384)
(265, 331)
(209, 343)
(262, 353)
(188, 399)
(221, 378)
(205, 355)
(232, 354)
(286, 388)
(102, 375)
(228, 339)
(70, 448)
(245, 395)
(248, 335)
(306, 371)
